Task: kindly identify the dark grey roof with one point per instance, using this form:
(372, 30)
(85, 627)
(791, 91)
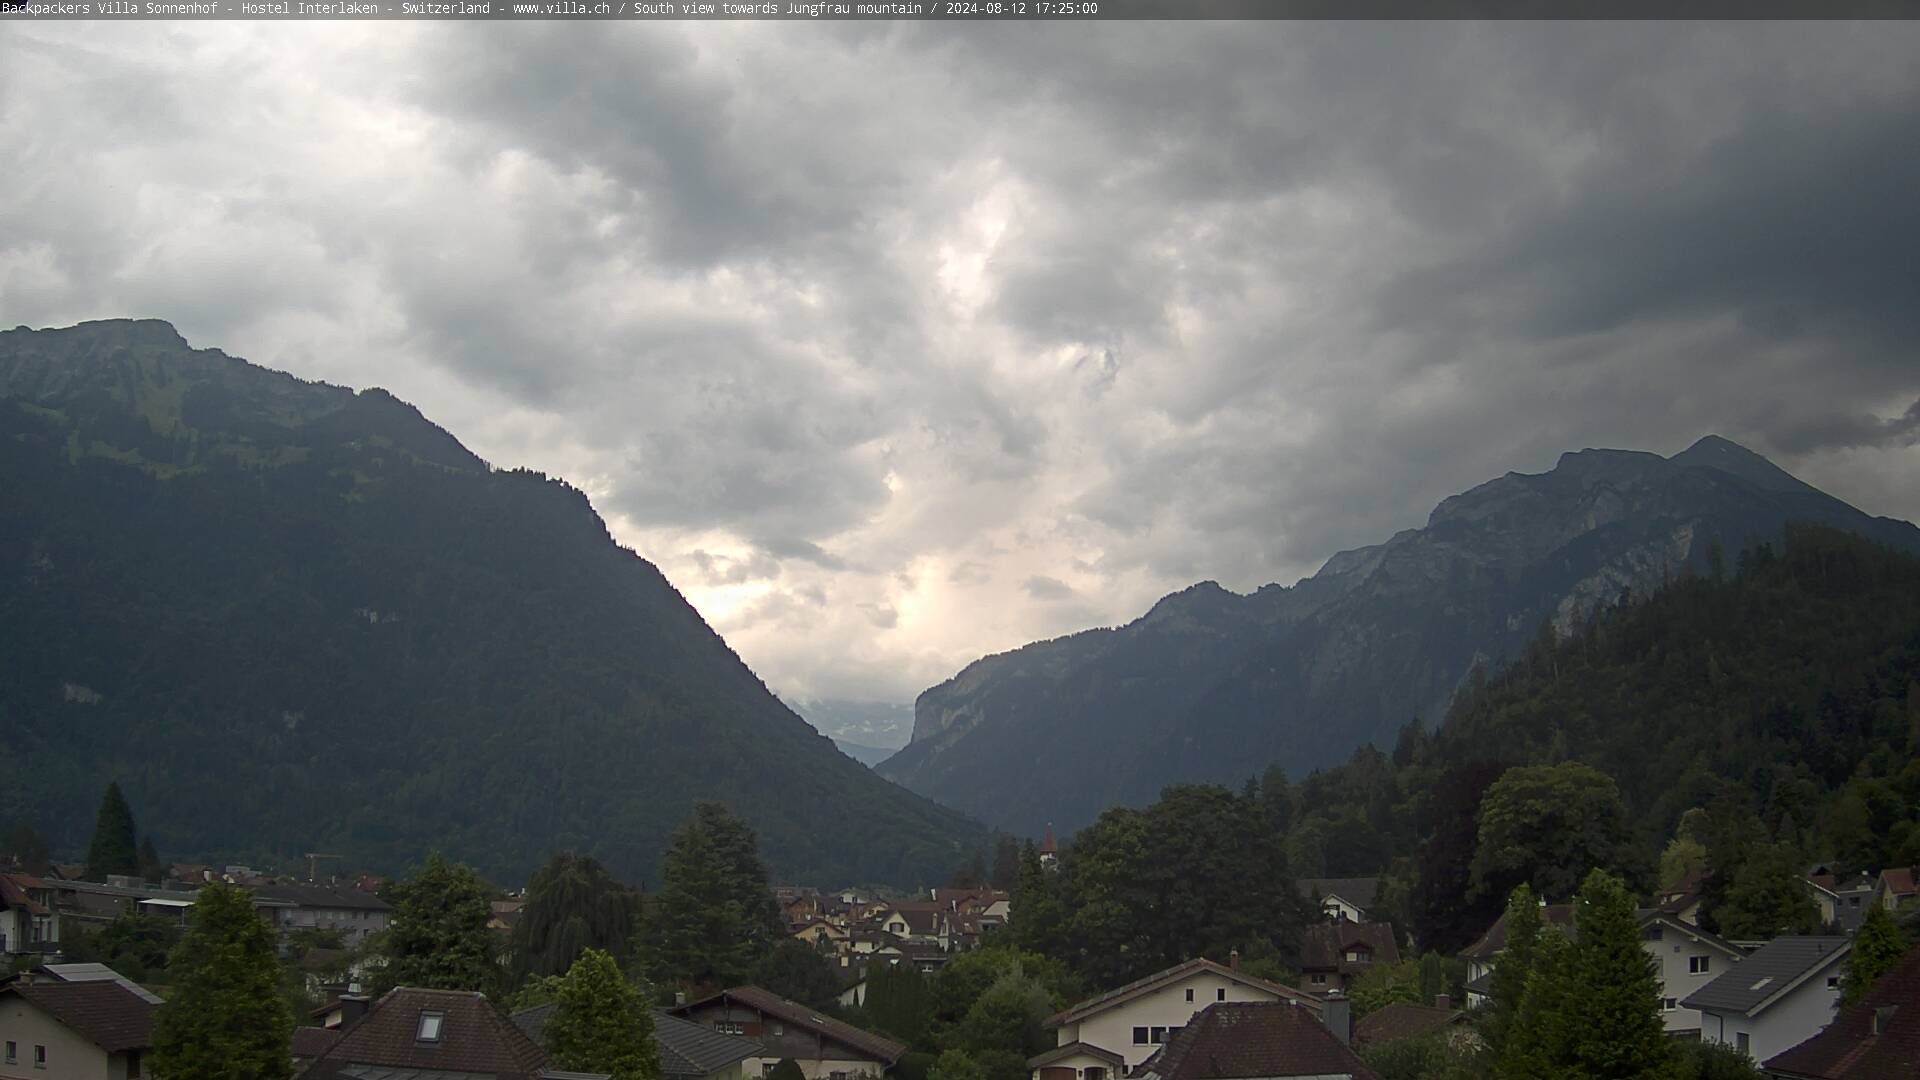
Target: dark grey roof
(1359, 891)
(323, 896)
(1755, 982)
(687, 1049)
(690, 1049)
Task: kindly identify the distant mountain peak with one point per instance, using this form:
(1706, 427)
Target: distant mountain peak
(1717, 452)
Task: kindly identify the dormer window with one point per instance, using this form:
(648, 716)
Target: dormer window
(430, 1027)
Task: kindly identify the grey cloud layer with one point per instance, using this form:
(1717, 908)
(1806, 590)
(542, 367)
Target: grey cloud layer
(895, 345)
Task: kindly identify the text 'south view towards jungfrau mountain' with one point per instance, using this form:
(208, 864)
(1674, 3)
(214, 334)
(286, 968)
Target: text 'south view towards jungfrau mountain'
(1070, 547)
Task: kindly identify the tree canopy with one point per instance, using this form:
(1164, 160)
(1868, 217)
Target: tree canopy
(438, 938)
(225, 1018)
(715, 918)
(573, 904)
(601, 1022)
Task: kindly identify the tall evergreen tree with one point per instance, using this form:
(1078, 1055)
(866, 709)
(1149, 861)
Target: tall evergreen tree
(1006, 863)
(151, 868)
(1877, 946)
(114, 849)
(438, 937)
(602, 1023)
(715, 918)
(573, 904)
(225, 1019)
(1514, 965)
(1035, 917)
(1618, 1033)
(1539, 1044)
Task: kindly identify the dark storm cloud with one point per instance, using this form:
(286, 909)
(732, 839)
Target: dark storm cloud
(1162, 302)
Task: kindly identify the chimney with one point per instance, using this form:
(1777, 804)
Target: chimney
(1233, 959)
(352, 1008)
(1337, 1013)
(1443, 1001)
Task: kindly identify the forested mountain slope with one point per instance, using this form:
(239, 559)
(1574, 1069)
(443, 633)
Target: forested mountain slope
(1211, 685)
(291, 617)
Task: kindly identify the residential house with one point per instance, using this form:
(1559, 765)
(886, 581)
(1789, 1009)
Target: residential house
(413, 1033)
(1686, 959)
(1682, 901)
(688, 1051)
(1342, 898)
(1333, 954)
(89, 1030)
(1255, 1039)
(28, 925)
(1778, 996)
(1897, 886)
(1409, 1020)
(814, 933)
(1843, 901)
(824, 1048)
(354, 914)
(78, 973)
(1480, 955)
(1132, 1022)
(1875, 1038)
(918, 921)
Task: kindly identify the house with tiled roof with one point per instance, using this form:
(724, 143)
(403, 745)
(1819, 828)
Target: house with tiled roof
(1333, 954)
(1342, 898)
(28, 923)
(353, 913)
(1778, 996)
(1843, 901)
(1481, 955)
(1134, 1021)
(1271, 1040)
(1897, 886)
(1875, 1038)
(823, 1047)
(416, 1034)
(90, 1030)
(1410, 1020)
(688, 1051)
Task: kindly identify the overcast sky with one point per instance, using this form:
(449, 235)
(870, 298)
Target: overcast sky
(897, 344)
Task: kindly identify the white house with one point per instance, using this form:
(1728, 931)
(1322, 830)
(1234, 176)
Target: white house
(1687, 959)
(1342, 898)
(1104, 1037)
(1778, 997)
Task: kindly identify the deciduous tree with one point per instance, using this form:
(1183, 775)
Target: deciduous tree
(438, 937)
(1877, 946)
(601, 1022)
(225, 1018)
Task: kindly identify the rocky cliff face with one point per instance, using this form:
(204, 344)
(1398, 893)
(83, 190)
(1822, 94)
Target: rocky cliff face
(1211, 685)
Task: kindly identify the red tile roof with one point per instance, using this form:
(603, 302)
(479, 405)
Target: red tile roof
(1235, 1039)
(103, 1012)
(311, 1042)
(475, 1037)
(13, 893)
(1876, 1038)
(766, 1002)
(1401, 1020)
(1900, 880)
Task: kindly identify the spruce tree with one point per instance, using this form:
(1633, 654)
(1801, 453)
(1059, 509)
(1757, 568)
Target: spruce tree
(602, 1023)
(114, 849)
(1514, 965)
(151, 868)
(1539, 1043)
(1877, 946)
(715, 919)
(226, 1018)
(438, 937)
(1618, 1033)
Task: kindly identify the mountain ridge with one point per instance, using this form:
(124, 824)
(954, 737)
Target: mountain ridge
(1211, 684)
(291, 616)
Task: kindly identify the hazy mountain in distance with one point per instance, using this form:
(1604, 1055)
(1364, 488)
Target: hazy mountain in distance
(882, 725)
(293, 617)
(1212, 685)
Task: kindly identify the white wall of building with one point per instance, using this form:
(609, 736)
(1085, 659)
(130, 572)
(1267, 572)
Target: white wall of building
(1789, 1022)
(1169, 1007)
